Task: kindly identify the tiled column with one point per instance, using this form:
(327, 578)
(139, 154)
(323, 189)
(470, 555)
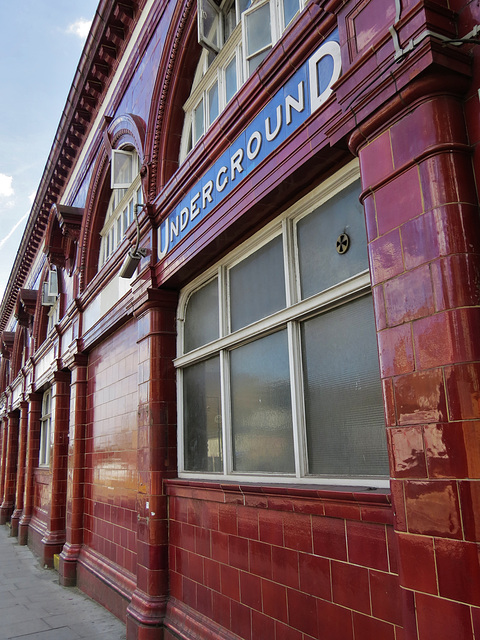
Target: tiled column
(424, 246)
(156, 462)
(8, 504)
(3, 460)
(54, 538)
(22, 454)
(76, 469)
(33, 439)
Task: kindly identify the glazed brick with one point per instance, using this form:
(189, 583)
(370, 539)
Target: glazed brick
(376, 161)
(302, 612)
(204, 601)
(221, 608)
(386, 597)
(407, 452)
(250, 591)
(211, 571)
(395, 351)
(389, 402)
(367, 545)
(447, 338)
(315, 576)
(470, 505)
(227, 518)
(248, 523)
(285, 632)
(415, 575)
(458, 570)
(220, 546)
(379, 307)
(334, 622)
(203, 542)
(366, 628)
(238, 552)
(442, 619)
(351, 587)
(462, 382)
(262, 626)
(297, 532)
(433, 508)
(409, 296)
(274, 599)
(370, 217)
(420, 239)
(455, 281)
(420, 398)
(241, 620)
(398, 201)
(230, 581)
(260, 555)
(445, 450)
(285, 566)
(447, 178)
(329, 538)
(386, 257)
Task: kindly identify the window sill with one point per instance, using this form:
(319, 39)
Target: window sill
(354, 503)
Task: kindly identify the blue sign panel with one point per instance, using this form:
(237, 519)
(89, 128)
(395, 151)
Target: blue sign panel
(302, 95)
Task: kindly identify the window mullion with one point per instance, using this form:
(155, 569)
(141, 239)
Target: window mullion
(181, 421)
(226, 413)
(298, 408)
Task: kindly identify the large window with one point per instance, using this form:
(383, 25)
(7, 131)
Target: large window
(126, 193)
(45, 430)
(278, 364)
(236, 36)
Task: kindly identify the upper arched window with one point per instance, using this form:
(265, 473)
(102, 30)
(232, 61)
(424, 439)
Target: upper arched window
(126, 193)
(236, 35)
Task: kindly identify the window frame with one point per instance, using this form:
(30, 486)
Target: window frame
(291, 317)
(46, 429)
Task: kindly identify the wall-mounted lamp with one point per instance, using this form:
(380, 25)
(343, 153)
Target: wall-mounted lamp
(134, 254)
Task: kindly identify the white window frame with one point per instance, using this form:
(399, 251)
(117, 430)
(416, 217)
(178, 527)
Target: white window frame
(46, 429)
(295, 311)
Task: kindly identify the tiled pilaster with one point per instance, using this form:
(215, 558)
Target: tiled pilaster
(22, 454)
(31, 462)
(11, 453)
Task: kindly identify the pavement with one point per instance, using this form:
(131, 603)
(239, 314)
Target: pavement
(33, 606)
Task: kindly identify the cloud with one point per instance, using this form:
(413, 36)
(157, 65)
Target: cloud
(6, 189)
(80, 28)
(12, 230)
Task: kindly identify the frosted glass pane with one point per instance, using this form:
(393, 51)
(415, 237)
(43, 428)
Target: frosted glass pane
(290, 8)
(201, 317)
(261, 406)
(231, 79)
(257, 285)
(343, 396)
(258, 29)
(320, 264)
(202, 416)
(213, 103)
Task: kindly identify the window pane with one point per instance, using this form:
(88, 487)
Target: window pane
(201, 317)
(203, 416)
(343, 396)
(198, 121)
(212, 103)
(290, 8)
(257, 285)
(261, 406)
(231, 79)
(258, 29)
(208, 18)
(321, 266)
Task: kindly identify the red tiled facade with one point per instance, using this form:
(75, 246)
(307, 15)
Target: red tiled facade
(93, 465)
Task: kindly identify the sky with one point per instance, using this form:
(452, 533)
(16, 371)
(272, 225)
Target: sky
(41, 42)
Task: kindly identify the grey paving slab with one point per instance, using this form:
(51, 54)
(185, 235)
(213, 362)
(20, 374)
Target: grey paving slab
(33, 606)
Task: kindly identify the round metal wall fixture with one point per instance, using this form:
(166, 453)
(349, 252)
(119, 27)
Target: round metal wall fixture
(343, 243)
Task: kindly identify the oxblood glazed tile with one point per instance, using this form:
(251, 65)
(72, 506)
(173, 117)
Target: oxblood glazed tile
(297, 532)
(370, 217)
(420, 240)
(463, 390)
(447, 338)
(204, 601)
(212, 574)
(398, 201)
(366, 628)
(241, 617)
(367, 545)
(221, 607)
(329, 538)
(315, 576)
(376, 161)
(262, 626)
(285, 632)
(415, 575)
(350, 586)
(458, 570)
(274, 599)
(409, 296)
(407, 452)
(248, 523)
(271, 529)
(302, 612)
(442, 619)
(334, 622)
(392, 543)
(389, 402)
(285, 566)
(447, 178)
(420, 397)
(470, 504)
(395, 351)
(433, 508)
(455, 281)
(445, 450)
(238, 552)
(379, 308)
(386, 258)
(250, 590)
(260, 558)
(386, 597)
(230, 579)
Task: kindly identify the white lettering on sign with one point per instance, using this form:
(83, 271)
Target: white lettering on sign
(278, 119)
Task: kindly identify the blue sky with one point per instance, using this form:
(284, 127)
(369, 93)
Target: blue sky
(40, 46)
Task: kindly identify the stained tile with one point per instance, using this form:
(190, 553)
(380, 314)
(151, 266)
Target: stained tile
(376, 161)
(433, 508)
(407, 451)
(447, 178)
(445, 450)
(463, 390)
(395, 350)
(398, 201)
(386, 257)
(420, 397)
